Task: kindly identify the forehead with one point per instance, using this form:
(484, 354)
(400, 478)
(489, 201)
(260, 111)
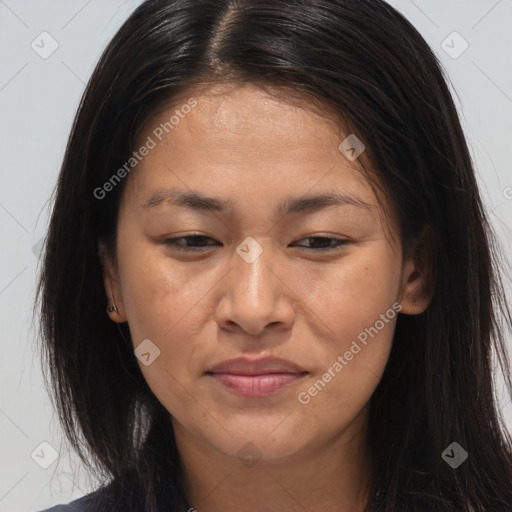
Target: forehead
(239, 136)
(241, 126)
(250, 117)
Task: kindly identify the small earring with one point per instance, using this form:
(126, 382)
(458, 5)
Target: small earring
(112, 308)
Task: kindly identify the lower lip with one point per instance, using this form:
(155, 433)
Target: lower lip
(256, 385)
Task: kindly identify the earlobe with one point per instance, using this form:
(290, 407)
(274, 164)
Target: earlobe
(418, 275)
(115, 307)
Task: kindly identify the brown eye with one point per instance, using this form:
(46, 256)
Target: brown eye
(192, 242)
(324, 243)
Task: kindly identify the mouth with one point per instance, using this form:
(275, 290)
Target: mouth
(257, 377)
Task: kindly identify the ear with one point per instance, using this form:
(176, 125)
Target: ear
(111, 284)
(418, 274)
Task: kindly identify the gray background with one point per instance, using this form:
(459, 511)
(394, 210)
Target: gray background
(38, 99)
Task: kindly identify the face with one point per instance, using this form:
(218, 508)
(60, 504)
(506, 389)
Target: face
(253, 256)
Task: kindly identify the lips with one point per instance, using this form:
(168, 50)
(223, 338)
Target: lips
(256, 377)
(262, 366)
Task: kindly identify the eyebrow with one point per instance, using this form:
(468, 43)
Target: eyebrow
(199, 202)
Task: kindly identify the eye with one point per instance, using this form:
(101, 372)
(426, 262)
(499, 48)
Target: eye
(198, 242)
(192, 242)
(324, 243)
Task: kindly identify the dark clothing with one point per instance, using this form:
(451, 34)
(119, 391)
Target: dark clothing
(97, 501)
(105, 500)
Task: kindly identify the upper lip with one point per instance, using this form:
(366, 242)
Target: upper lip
(261, 366)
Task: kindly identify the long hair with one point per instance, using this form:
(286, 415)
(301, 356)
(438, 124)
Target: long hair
(371, 68)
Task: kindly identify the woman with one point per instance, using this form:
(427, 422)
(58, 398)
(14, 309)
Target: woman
(275, 202)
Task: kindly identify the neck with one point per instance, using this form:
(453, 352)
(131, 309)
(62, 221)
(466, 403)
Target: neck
(334, 477)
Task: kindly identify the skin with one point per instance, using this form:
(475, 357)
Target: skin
(304, 305)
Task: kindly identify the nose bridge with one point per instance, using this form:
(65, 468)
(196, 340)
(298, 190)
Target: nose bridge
(253, 296)
(252, 262)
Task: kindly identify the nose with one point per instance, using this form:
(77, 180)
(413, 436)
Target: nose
(255, 295)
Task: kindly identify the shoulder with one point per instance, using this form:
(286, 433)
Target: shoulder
(123, 496)
(97, 501)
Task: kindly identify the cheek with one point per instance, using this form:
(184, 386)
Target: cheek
(354, 293)
(156, 294)
(342, 389)
(355, 305)
(161, 303)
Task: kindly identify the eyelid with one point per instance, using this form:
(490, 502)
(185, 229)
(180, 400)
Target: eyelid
(340, 242)
(172, 242)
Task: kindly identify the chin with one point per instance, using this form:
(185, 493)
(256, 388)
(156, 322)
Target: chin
(268, 441)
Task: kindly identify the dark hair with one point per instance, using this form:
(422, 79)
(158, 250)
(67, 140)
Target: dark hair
(372, 69)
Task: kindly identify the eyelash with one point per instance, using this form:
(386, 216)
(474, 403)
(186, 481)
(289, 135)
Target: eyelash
(172, 242)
